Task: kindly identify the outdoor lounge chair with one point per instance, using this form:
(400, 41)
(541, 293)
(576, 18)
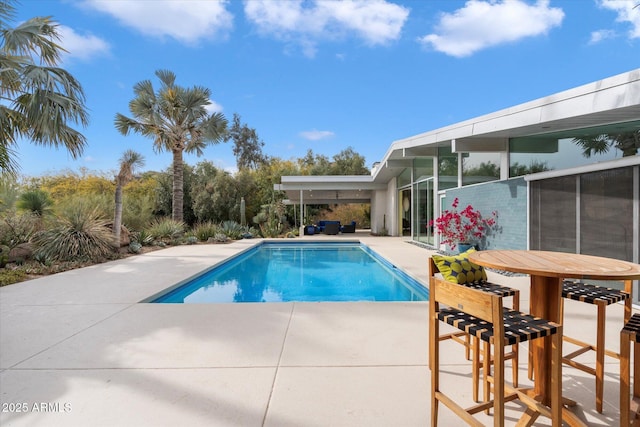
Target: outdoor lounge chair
(332, 228)
(349, 228)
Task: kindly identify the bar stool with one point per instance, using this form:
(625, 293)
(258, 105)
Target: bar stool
(600, 297)
(470, 343)
(483, 316)
(629, 334)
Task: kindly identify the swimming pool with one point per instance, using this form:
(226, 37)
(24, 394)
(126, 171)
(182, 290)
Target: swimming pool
(279, 272)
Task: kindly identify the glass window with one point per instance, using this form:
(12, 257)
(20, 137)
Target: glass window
(447, 168)
(480, 167)
(422, 168)
(567, 149)
(404, 178)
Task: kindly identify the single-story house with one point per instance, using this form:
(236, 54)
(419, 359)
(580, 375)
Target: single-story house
(562, 172)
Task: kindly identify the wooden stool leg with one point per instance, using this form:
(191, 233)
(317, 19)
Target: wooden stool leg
(434, 352)
(514, 349)
(530, 364)
(600, 344)
(556, 378)
(486, 371)
(625, 385)
(476, 367)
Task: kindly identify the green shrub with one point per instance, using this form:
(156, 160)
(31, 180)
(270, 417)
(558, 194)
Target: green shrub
(16, 229)
(166, 230)
(37, 202)
(137, 212)
(191, 240)
(81, 235)
(102, 204)
(9, 277)
(205, 230)
(4, 255)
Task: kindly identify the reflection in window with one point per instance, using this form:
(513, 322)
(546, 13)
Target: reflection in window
(422, 168)
(628, 143)
(480, 167)
(568, 149)
(447, 167)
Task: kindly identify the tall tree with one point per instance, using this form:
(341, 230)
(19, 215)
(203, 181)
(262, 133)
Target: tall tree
(247, 146)
(348, 162)
(314, 164)
(177, 120)
(38, 100)
(129, 162)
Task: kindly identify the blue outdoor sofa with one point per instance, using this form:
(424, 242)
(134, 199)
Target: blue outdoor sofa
(347, 228)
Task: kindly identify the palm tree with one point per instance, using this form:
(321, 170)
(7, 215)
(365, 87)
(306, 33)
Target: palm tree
(177, 120)
(129, 161)
(38, 101)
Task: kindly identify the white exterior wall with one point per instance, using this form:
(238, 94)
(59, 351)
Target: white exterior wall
(378, 204)
(392, 207)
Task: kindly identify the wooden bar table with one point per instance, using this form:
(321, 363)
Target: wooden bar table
(547, 270)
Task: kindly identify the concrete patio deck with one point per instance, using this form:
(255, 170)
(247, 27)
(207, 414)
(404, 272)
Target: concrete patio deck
(78, 349)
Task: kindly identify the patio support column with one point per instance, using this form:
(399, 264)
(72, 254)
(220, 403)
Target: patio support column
(301, 229)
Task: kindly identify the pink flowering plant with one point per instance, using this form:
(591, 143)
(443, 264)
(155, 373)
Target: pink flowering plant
(466, 226)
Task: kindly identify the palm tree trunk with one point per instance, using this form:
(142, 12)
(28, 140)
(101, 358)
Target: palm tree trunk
(117, 219)
(178, 186)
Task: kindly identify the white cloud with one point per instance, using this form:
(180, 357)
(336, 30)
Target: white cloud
(185, 21)
(480, 24)
(377, 22)
(81, 47)
(628, 11)
(214, 107)
(600, 35)
(316, 135)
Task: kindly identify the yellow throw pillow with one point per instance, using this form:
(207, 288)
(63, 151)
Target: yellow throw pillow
(458, 269)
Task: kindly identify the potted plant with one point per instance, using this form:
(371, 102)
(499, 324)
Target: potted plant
(465, 228)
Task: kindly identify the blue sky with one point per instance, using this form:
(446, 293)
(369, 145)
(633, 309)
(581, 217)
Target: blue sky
(326, 75)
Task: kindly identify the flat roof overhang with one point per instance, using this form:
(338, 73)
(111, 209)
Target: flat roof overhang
(612, 100)
(328, 189)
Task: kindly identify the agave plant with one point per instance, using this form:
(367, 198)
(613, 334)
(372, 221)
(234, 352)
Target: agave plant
(166, 229)
(82, 234)
(233, 230)
(143, 237)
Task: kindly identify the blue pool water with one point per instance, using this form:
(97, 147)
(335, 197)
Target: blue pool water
(274, 272)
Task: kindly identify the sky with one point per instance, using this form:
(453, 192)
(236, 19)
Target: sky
(327, 75)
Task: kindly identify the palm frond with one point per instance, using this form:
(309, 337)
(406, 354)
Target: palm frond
(35, 38)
